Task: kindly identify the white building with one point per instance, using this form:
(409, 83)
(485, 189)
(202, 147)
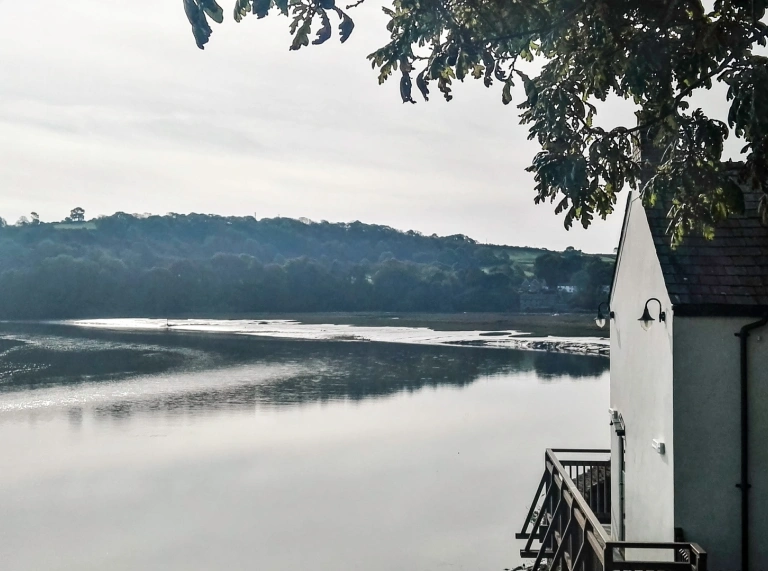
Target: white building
(689, 406)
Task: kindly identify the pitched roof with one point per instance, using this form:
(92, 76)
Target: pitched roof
(729, 272)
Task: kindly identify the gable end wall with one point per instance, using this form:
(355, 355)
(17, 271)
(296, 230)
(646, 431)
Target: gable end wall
(641, 386)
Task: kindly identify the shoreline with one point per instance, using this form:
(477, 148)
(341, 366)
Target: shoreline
(568, 346)
(393, 331)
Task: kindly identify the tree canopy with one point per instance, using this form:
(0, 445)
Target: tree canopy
(654, 53)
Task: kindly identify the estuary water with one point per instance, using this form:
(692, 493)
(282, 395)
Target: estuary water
(159, 449)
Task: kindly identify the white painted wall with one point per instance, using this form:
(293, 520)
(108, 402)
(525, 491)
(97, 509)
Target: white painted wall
(707, 438)
(641, 385)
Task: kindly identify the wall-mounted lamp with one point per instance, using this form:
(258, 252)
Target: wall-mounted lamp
(600, 319)
(646, 319)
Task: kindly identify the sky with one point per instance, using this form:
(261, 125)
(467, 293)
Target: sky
(110, 106)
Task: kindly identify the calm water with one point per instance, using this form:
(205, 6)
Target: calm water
(183, 451)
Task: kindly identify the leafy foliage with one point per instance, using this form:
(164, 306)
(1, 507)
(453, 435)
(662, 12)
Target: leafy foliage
(193, 264)
(76, 215)
(588, 274)
(654, 53)
(303, 15)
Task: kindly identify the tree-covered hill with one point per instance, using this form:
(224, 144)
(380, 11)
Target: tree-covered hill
(202, 264)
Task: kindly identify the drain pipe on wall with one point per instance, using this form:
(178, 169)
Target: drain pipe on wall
(617, 421)
(743, 336)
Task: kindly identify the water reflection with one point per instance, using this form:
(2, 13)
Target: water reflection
(75, 417)
(194, 452)
(239, 373)
(556, 365)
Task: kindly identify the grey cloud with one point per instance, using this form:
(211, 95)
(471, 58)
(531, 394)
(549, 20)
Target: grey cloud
(110, 105)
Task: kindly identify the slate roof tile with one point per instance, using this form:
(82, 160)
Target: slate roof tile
(731, 269)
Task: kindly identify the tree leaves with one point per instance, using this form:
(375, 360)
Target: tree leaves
(345, 26)
(282, 5)
(591, 53)
(324, 33)
(261, 8)
(506, 93)
(303, 13)
(200, 27)
(213, 10)
(242, 8)
(421, 83)
(653, 54)
(405, 88)
(301, 36)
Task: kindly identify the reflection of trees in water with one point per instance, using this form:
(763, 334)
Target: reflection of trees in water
(75, 416)
(363, 370)
(35, 365)
(328, 370)
(550, 365)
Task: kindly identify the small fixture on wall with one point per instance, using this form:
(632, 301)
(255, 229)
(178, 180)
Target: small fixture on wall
(646, 318)
(617, 421)
(600, 319)
(658, 446)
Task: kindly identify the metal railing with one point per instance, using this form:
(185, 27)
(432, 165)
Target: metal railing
(570, 522)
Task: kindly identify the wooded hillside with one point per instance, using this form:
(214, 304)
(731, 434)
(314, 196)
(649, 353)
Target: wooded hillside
(204, 264)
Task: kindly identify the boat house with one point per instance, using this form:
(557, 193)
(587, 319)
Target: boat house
(684, 485)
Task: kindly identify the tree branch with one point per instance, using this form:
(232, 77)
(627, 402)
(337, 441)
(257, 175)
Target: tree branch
(537, 31)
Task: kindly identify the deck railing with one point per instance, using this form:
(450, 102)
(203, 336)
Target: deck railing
(569, 522)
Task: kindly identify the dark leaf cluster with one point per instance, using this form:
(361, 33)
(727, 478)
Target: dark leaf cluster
(653, 53)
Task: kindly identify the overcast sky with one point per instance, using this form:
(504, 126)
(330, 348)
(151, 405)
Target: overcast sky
(110, 106)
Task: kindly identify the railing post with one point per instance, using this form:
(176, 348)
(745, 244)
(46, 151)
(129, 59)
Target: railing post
(608, 557)
(589, 555)
(581, 554)
(529, 519)
(701, 559)
(548, 540)
(565, 535)
(536, 532)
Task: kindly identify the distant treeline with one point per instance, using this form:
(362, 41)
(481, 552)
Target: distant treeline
(202, 264)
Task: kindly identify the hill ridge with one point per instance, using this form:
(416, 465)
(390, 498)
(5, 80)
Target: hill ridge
(125, 264)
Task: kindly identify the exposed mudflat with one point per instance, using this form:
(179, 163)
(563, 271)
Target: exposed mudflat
(293, 329)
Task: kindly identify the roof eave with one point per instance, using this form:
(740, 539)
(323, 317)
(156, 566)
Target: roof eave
(616, 260)
(719, 310)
